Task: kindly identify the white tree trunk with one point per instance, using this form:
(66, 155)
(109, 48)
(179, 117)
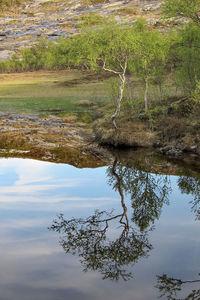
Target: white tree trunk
(146, 95)
(118, 102)
(122, 76)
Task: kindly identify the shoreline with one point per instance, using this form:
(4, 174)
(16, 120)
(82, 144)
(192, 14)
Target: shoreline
(63, 140)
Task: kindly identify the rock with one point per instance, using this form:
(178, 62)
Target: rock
(6, 54)
(85, 103)
(174, 152)
(36, 19)
(192, 148)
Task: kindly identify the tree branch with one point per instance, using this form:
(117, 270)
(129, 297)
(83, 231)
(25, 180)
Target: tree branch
(110, 70)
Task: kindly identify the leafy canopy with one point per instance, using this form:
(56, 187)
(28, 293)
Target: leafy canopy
(111, 45)
(188, 56)
(150, 55)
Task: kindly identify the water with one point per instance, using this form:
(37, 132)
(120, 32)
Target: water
(128, 228)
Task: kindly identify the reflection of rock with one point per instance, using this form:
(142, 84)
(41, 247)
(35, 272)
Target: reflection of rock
(179, 149)
(172, 151)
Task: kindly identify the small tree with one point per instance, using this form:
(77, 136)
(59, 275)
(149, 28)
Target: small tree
(150, 58)
(186, 57)
(110, 48)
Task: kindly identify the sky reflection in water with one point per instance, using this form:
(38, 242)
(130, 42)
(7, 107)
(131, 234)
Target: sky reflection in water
(34, 265)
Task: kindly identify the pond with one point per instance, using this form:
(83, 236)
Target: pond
(114, 232)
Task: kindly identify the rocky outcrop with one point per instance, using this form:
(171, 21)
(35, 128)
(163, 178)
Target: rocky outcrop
(53, 139)
(52, 19)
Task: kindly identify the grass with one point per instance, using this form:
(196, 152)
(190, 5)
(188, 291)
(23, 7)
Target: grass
(130, 133)
(66, 92)
(90, 19)
(48, 92)
(129, 11)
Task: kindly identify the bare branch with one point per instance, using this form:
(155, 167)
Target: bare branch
(110, 70)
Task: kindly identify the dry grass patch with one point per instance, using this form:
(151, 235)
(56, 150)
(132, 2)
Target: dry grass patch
(15, 140)
(129, 11)
(130, 134)
(86, 3)
(69, 119)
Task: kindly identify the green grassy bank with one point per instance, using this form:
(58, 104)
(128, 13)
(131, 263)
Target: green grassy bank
(50, 92)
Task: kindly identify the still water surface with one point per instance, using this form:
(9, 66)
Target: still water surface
(105, 233)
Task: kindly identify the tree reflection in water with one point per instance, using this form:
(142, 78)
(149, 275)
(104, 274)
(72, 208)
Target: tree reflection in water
(191, 185)
(169, 287)
(148, 192)
(89, 237)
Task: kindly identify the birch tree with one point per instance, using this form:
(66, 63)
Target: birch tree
(110, 48)
(150, 58)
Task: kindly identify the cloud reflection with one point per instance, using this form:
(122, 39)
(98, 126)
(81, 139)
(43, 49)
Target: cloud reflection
(36, 182)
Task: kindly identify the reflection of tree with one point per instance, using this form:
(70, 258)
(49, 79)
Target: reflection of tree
(169, 287)
(89, 237)
(148, 192)
(191, 185)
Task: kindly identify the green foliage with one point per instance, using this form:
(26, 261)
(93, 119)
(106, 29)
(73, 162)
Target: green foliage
(187, 55)
(112, 44)
(149, 58)
(112, 87)
(150, 55)
(91, 19)
(182, 8)
(147, 199)
(85, 117)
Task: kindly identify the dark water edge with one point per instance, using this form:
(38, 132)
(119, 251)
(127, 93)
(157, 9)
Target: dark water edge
(152, 160)
(128, 230)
